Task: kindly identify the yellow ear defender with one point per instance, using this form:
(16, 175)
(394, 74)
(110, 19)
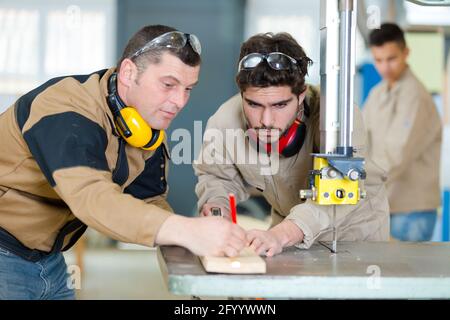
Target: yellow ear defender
(131, 126)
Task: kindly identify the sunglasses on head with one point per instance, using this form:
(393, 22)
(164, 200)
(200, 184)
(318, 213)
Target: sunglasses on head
(276, 60)
(172, 39)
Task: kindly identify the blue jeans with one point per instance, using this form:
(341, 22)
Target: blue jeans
(43, 280)
(413, 226)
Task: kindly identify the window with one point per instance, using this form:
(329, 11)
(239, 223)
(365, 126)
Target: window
(41, 40)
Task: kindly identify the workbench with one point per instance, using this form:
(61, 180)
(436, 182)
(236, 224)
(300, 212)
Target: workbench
(359, 270)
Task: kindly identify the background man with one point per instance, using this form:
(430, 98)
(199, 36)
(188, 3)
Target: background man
(404, 133)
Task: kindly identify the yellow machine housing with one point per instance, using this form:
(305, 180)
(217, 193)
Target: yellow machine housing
(333, 191)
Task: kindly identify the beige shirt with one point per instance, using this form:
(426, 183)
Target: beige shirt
(217, 178)
(404, 134)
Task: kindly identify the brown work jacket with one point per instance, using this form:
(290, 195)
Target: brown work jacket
(59, 153)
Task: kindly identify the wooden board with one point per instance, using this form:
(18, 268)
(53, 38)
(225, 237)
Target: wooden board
(248, 262)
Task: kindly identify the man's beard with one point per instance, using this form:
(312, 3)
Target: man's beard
(267, 134)
(270, 134)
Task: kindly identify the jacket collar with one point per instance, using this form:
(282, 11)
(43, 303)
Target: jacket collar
(398, 84)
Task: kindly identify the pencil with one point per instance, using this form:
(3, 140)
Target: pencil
(233, 207)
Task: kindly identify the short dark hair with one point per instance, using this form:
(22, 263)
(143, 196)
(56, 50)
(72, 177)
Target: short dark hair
(148, 33)
(263, 75)
(388, 32)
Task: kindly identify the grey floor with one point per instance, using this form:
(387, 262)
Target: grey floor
(121, 274)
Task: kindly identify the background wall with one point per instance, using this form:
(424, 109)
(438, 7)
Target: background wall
(219, 25)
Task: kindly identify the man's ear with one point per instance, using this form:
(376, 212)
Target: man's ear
(302, 95)
(406, 52)
(127, 73)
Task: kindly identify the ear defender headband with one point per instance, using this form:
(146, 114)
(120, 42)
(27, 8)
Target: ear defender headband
(129, 123)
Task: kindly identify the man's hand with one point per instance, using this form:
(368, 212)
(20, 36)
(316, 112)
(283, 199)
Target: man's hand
(204, 236)
(217, 237)
(206, 210)
(264, 242)
(273, 241)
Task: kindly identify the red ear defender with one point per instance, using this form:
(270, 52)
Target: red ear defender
(292, 140)
(289, 144)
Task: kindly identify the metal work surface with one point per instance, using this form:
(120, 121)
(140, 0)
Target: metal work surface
(358, 270)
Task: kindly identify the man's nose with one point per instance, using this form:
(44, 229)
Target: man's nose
(267, 118)
(384, 67)
(179, 98)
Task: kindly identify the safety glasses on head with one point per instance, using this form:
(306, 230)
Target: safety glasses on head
(172, 39)
(276, 60)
